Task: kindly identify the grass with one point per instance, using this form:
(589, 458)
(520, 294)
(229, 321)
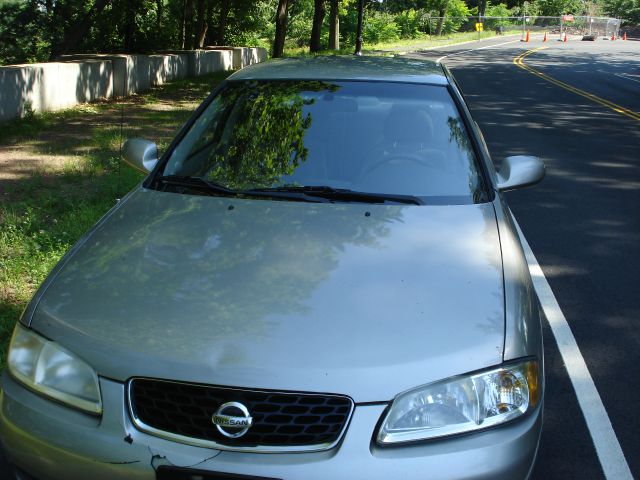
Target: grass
(47, 205)
(390, 48)
(431, 41)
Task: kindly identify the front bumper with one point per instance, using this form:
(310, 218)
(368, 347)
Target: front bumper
(52, 442)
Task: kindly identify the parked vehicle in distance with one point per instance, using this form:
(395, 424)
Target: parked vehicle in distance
(320, 279)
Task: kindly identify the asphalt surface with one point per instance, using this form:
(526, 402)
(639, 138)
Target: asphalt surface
(582, 222)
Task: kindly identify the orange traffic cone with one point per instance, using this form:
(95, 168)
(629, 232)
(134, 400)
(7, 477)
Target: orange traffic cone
(613, 37)
(545, 37)
(624, 37)
(527, 36)
(565, 37)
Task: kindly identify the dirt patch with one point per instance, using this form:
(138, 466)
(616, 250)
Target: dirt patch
(88, 138)
(68, 138)
(22, 161)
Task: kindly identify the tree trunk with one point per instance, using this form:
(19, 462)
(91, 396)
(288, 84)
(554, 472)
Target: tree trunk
(183, 25)
(482, 7)
(75, 33)
(222, 24)
(201, 24)
(316, 30)
(188, 24)
(159, 13)
(129, 26)
(282, 15)
(359, 29)
(334, 26)
(52, 29)
(441, 14)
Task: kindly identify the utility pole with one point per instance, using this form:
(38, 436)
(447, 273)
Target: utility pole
(524, 16)
(358, 51)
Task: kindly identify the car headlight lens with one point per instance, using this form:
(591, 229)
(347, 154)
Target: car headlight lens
(47, 368)
(462, 404)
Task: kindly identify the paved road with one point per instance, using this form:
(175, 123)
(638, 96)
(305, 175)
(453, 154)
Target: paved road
(582, 222)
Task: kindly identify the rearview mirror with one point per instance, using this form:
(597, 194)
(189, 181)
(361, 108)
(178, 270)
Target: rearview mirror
(519, 171)
(140, 154)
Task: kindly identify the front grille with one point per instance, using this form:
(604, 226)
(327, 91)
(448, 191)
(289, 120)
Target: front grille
(282, 421)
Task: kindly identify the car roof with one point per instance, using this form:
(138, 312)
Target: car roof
(346, 68)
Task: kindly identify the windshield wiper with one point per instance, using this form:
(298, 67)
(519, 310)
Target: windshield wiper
(345, 195)
(197, 183)
(213, 188)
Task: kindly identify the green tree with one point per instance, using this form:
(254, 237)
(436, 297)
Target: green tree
(501, 11)
(380, 27)
(628, 10)
(267, 140)
(410, 22)
(23, 33)
(554, 8)
(439, 7)
(252, 135)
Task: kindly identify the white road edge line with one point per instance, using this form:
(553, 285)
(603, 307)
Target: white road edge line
(473, 49)
(608, 448)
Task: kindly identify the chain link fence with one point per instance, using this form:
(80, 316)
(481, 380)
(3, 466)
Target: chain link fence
(604, 27)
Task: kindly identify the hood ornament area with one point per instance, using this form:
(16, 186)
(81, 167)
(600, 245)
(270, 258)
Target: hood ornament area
(232, 419)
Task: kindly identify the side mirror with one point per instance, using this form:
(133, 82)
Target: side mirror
(140, 154)
(519, 171)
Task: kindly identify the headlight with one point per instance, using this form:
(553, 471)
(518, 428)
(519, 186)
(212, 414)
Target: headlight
(53, 371)
(462, 404)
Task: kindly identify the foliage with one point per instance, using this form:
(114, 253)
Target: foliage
(22, 33)
(250, 23)
(628, 10)
(554, 8)
(380, 27)
(526, 8)
(411, 23)
(500, 10)
(238, 157)
(300, 22)
(456, 12)
(35, 30)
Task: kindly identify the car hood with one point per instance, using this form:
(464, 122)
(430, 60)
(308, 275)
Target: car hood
(357, 299)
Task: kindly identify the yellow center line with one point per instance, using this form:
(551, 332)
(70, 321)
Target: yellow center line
(519, 61)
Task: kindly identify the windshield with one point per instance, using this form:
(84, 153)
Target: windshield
(374, 137)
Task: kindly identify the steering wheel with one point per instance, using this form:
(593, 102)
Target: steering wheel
(404, 157)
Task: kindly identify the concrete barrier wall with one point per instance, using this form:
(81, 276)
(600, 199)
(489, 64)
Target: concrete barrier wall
(203, 62)
(53, 86)
(245, 56)
(85, 78)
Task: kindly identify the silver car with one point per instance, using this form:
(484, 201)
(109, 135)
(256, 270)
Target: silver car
(320, 279)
